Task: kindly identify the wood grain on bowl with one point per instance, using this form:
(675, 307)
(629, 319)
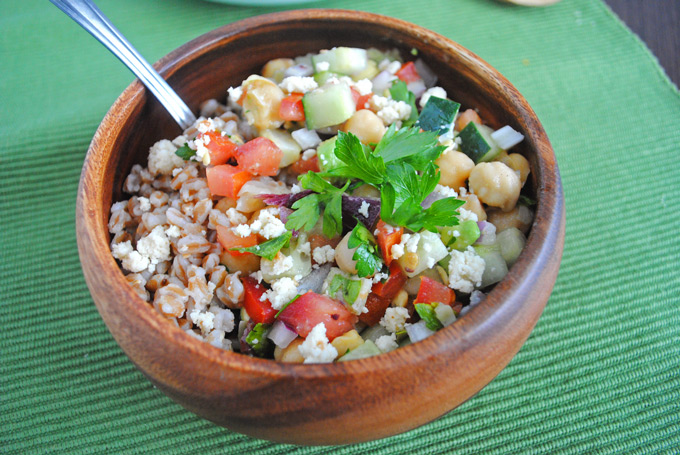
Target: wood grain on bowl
(331, 403)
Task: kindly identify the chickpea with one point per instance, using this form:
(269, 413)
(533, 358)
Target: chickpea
(347, 341)
(262, 102)
(455, 168)
(343, 256)
(365, 125)
(520, 217)
(518, 163)
(274, 69)
(472, 204)
(465, 117)
(290, 353)
(225, 204)
(366, 190)
(495, 184)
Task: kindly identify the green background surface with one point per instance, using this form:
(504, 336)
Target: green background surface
(599, 374)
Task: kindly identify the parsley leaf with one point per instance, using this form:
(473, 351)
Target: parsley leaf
(268, 249)
(441, 213)
(306, 214)
(427, 314)
(409, 145)
(366, 253)
(257, 339)
(360, 161)
(185, 152)
(400, 92)
(308, 209)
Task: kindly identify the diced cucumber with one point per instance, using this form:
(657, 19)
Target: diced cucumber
(495, 267)
(378, 56)
(445, 314)
(476, 143)
(285, 142)
(326, 153)
(430, 250)
(344, 60)
(302, 262)
(368, 349)
(328, 105)
(374, 332)
(511, 242)
(461, 236)
(369, 72)
(322, 77)
(438, 115)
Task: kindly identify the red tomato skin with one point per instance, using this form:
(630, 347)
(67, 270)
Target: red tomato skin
(388, 236)
(228, 239)
(259, 311)
(259, 156)
(431, 291)
(391, 287)
(408, 73)
(360, 100)
(221, 148)
(311, 309)
(226, 180)
(291, 108)
(376, 307)
(303, 166)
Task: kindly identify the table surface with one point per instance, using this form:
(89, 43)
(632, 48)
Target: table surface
(600, 372)
(657, 23)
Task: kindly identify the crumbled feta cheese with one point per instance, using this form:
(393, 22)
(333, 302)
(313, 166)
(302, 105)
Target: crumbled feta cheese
(308, 154)
(322, 66)
(465, 270)
(267, 224)
(379, 277)
(162, 158)
(445, 191)
(224, 319)
(363, 210)
(256, 276)
(121, 250)
(282, 291)
(135, 262)
(397, 249)
(305, 248)
(411, 244)
(363, 86)
(298, 84)
(316, 348)
(155, 246)
(202, 152)
(295, 188)
(434, 91)
(387, 343)
(144, 204)
(235, 94)
(242, 230)
(323, 254)
(359, 305)
(394, 319)
(391, 66)
(173, 232)
(281, 264)
(204, 320)
(389, 110)
(235, 217)
(466, 214)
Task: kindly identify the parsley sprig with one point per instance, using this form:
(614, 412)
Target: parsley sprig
(268, 249)
(366, 253)
(326, 198)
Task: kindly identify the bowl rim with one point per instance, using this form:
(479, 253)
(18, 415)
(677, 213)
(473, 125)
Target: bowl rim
(489, 314)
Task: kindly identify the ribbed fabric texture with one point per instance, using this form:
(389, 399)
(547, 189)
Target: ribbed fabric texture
(600, 372)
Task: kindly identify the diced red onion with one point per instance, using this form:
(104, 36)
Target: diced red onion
(418, 331)
(507, 137)
(284, 213)
(417, 87)
(382, 82)
(487, 233)
(314, 280)
(281, 334)
(301, 70)
(431, 199)
(305, 138)
(429, 78)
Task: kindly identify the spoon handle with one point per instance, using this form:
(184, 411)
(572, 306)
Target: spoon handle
(88, 16)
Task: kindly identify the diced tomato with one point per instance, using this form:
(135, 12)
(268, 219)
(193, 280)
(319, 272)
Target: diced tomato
(388, 236)
(260, 311)
(226, 180)
(382, 294)
(408, 73)
(376, 307)
(360, 100)
(433, 291)
(259, 156)
(303, 166)
(228, 239)
(311, 309)
(391, 287)
(221, 148)
(291, 108)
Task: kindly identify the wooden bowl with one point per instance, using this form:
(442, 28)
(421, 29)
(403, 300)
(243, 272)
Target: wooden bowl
(324, 403)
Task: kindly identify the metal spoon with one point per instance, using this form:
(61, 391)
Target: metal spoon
(88, 16)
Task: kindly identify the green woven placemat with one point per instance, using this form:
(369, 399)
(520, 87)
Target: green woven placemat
(599, 374)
